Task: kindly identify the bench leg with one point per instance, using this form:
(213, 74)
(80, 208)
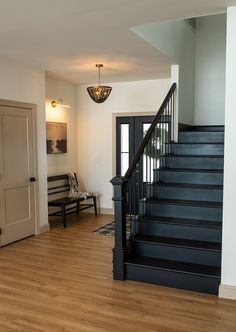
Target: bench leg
(63, 212)
(95, 205)
(77, 208)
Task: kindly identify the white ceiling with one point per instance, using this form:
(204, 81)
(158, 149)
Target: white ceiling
(68, 37)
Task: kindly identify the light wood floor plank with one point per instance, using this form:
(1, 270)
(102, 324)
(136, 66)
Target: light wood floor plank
(62, 281)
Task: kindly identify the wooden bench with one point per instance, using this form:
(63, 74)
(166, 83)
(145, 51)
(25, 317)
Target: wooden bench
(58, 191)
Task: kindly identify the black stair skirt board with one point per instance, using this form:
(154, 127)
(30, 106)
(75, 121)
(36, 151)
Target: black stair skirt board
(186, 276)
(200, 230)
(186, 191)
(195, 176)
(182, 209)
(194, 162)
(208, 149)
(181, 250)
(201, 137)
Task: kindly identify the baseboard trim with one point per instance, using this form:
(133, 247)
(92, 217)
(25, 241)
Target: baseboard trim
(106, 211)
(100, 210)
(227, 292)
(44, 228)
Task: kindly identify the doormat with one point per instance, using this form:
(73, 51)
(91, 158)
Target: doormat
(109, 229)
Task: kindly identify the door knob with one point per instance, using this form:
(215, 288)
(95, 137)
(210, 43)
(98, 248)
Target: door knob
(32, 179)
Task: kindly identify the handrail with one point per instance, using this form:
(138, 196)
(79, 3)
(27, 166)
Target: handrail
(149, 133)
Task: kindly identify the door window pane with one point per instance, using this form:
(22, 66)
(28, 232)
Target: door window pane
(148, 161)
(124, 137)
(124, 162)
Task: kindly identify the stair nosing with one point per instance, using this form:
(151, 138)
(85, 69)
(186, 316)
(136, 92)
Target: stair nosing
(210, 204)
(154, 240)
(194, 170)
(200, 131)
(197, 143)
(181, 221)
(188, 185)
(194, 156)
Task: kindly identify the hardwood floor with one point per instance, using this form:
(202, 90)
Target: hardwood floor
(62, 281)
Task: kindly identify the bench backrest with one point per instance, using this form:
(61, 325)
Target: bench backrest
(58, 186)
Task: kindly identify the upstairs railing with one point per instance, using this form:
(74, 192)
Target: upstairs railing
(132, 190)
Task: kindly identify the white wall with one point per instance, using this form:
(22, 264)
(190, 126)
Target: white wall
(176, 40)
(210, 70)
(55, 89)
(228, 288)
(95, 132)
(25, 84)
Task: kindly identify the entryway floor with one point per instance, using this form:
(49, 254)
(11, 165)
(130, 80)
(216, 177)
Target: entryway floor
(62, 281)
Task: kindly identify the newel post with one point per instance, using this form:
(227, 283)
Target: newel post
(119, 184)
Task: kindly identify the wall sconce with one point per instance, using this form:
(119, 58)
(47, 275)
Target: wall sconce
(55, 103)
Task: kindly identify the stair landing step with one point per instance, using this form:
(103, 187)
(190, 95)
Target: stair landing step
(184, 202)
(174, 266)
(175, 242)
(182, 221)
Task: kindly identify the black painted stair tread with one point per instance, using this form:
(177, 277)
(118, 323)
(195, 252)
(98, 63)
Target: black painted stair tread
(176, 266)
(193, 244)
(194, 156)
(188, 185)
(199, 131)
(206, 128)
(191, 170)
(197, 143)
(182, 221)
(184, 202)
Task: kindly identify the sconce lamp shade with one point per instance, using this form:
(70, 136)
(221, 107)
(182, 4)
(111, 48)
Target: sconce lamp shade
(99, 93)
(59, 102)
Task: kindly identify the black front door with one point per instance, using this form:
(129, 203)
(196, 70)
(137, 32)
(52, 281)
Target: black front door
(130, 131)
(129, 135)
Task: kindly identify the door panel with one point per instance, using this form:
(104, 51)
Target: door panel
(1, 150)
(16, 141)
(17, 193)
(17, 204)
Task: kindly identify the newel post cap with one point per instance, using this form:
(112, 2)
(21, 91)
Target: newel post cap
(118, 180)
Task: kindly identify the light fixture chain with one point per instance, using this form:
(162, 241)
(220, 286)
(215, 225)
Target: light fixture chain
(99, 76)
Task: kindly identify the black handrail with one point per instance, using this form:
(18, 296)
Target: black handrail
(149, 132)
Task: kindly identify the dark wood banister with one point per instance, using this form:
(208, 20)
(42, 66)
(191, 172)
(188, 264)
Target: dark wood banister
(149, 133)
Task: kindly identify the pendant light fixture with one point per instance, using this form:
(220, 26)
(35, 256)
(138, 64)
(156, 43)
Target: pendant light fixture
(99, 93)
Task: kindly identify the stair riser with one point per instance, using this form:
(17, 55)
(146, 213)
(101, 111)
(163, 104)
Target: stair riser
(179, 254)
(208, 128)
(180, 280)
(188, 177)
(185, 193)
(192, 162)
(184, 211)
(203, 137)
(180, 231)
(198, 149)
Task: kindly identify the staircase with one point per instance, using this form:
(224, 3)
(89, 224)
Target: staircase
(176, 225)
